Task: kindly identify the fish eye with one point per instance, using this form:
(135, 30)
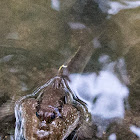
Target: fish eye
(37, 115)
(52, 116)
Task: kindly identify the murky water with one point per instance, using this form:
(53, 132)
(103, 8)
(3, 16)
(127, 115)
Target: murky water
(39, 36)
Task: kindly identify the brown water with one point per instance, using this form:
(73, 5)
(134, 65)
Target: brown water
(36, 37)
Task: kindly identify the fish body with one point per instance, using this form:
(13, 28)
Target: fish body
(49, 116)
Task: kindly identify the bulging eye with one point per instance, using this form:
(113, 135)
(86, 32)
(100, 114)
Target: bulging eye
(39, 114)
(52, 116)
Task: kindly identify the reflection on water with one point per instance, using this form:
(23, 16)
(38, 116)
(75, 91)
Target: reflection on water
(55, 4)
(135, 130)
(112, 137)
(103, 93)
(39, 36)
(113, 7)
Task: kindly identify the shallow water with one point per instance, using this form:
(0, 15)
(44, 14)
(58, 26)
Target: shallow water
(39, 36)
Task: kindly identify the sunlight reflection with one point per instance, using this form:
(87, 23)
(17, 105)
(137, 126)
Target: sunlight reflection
(103, 93)
(112, 137)
(55, 4)
(135, 130)
(113, 7)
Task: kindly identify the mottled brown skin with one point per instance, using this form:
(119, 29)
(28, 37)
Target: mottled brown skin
(50, 104)
(49, 117)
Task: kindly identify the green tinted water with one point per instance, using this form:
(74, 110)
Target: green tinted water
(36, 39)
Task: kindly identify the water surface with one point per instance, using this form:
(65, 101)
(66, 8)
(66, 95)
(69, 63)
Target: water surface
(36, 37)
